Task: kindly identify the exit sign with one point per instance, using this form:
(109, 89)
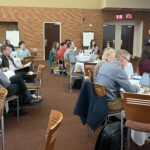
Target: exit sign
(128, 16)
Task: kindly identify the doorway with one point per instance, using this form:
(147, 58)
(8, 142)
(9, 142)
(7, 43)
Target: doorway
(51, 34)
(108, 35)
(128, 35)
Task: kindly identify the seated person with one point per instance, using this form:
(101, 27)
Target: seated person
(9, 64)
(70, 55)
(10, 45)
(22, 52)
(124, 58)
(53, 51)
(93, 110)
(15, 85)
(93, 47)
(108, 56)
(113, 77)
(61, 51)
(144, 63)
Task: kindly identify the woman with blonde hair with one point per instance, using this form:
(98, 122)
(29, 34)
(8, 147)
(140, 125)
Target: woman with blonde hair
(108, 55)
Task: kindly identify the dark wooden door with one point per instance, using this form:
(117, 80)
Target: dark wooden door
(127, 34)
(52, 34)
(108, 34)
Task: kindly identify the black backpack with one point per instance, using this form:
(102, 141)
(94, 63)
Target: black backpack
(109, 138)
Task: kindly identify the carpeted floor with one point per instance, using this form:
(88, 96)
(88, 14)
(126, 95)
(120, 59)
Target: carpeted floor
(29, 133)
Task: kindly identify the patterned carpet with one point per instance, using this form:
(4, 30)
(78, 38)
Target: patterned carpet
(29, 133)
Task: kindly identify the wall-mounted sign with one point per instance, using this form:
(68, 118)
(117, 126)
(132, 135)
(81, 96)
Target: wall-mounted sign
(128, 16)
(119, 17)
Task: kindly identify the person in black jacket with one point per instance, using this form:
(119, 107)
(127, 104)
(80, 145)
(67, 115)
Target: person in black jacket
(9, 64)
(147, 39)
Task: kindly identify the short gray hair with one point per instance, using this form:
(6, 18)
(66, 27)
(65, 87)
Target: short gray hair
(123, 53)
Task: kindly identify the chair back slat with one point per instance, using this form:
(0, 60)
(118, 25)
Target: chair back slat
(67, 65)
(40, 71)
(89, 69)
(137, 107)
(99, 89)
(55, 120)
(89, 73)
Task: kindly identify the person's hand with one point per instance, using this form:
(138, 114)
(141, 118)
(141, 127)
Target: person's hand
(137, 86)
(5, 69)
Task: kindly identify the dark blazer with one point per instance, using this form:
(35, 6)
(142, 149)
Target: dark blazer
(91, 109)
(21, 72)
(147, 41)
(5, 62)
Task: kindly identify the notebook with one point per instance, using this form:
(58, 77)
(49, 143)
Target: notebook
(145, 80)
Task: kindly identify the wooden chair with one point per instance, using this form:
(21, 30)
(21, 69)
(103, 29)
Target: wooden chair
(34, 52)
(137, 111)
(72, 75)
(99, 90)
(3, 94)
(55, 120)
(36, 86)
(89, 69)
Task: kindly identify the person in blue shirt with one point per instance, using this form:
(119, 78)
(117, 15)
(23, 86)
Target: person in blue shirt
(22, 52)
(124, 59)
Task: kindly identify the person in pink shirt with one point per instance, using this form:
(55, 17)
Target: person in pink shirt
(61, 51)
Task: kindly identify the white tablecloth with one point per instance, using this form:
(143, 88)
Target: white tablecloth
(79, 66)
(139, 137)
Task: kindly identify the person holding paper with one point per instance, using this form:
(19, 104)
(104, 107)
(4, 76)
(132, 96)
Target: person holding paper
(22, 52)
(9, 64)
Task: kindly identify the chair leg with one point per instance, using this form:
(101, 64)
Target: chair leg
(2, 128)
(17, 108)
(121, 131)
(39, 94)
(128, 139)
(70, 86)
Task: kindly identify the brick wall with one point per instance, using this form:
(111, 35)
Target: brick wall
(30, 23)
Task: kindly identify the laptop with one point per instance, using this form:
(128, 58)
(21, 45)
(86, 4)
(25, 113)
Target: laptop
(145, 80)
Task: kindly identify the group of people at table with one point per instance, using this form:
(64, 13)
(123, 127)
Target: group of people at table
(13, 73)
(114, 71)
